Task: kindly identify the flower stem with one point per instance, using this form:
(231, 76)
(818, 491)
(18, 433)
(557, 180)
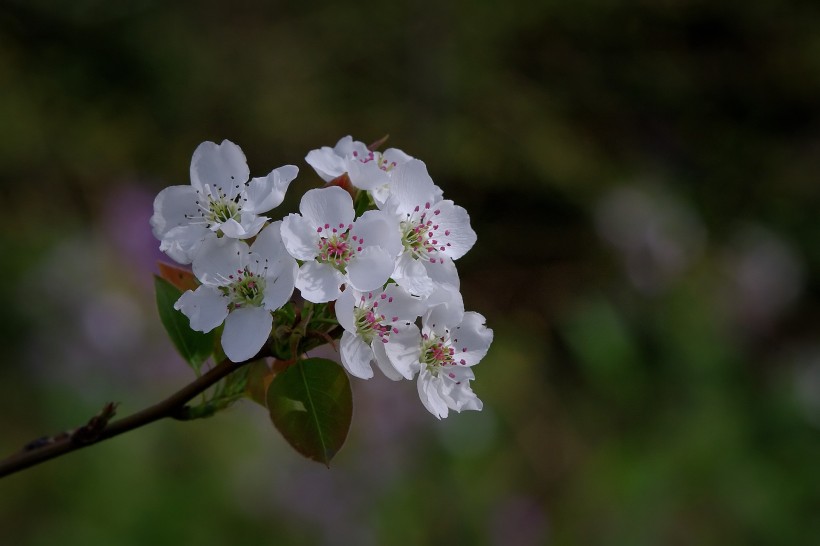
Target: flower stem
(40, 451)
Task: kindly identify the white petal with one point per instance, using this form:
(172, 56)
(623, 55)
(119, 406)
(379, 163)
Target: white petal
(471, 339)
(328, 208)
(366, 176)
(219, 260)
(268, 243)
(396, 157)
(454, 235)
(349, 147)
(182, 243)
(221, 167)
(411, 186)
(206, 308)
(268, 192)
(442, 271)
(380, 195)
(248, 227)
(300, 237)
(246, 331)
(446, 308)
(429, 395)
(398, 305)
(462, 397)
(383, 362)
(326, 163)
(279, 283)
(232, 229)
(344, 309)
(356, 355)
(456, 375)
(376, 228)
(370, 269)
(319, 283)
(174, 206)
(403, 349)
(252, 223)
(411, 274)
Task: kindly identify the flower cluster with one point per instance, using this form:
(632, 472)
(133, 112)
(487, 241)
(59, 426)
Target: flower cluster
(387, 273)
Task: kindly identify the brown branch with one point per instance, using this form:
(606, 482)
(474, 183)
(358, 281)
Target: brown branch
(98, 428)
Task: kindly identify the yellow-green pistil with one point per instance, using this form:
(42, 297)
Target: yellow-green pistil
(217, 208)
(436, 353)
(221, 210)
(369, 324)
(422, 236)
(246, 289)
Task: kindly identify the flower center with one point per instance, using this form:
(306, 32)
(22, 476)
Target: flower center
(339, 246)
(420, 234)
(245, 289)
(383, 164)
(369, 324)
(415, 239)
(436, 353)
(221, 210)
(216, 208)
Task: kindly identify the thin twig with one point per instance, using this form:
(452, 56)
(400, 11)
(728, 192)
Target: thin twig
(37, 452)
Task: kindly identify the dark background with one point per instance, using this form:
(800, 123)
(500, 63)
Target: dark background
(643, 179)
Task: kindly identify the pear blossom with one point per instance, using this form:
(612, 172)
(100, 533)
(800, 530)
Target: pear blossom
(368, 170)
(220, 200)
(369, 320)
(450, 342)
(434, 231)
(241, 286)
(337, 250)
(446, 357)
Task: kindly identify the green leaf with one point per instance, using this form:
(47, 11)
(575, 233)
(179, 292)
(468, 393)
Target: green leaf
(362, 203)
(310, 403)
(195, 347)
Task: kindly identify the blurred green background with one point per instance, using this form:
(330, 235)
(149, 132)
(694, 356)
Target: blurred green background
(643, 179)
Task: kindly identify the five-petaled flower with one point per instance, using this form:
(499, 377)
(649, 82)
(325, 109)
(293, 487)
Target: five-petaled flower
(434, 232)
(446, 355)
(443, 352)
(241, 286)
(220, 201)
(370, 320)
(335, 248)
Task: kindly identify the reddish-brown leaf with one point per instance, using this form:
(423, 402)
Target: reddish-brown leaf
(177, 276)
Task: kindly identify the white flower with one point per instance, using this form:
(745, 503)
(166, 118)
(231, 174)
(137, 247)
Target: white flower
(368, 170)
(337, 250)
(434, 231)
(370, 319)
(446, 357)
(219, 199)
(449, 344)
(240, 286)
